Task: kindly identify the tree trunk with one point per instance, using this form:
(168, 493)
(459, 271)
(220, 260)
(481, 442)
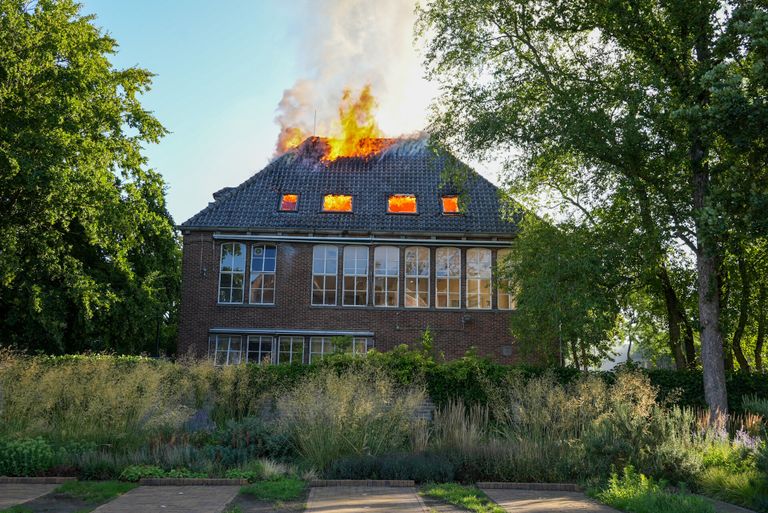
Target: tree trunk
(760, 328)
(674, 321)
(575, 354)
(724, 291)
(690, 348)
(738, 352)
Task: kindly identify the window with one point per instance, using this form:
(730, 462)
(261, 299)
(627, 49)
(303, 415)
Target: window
(263, 262)
(290, 350)
(448, 278)
(401, 204)
(325, 269)
(479, 278)
(417, 277)
(232, 272)
(321, 346)
(259, 349)
(386, 276)
(289, 202)
(226, 349)
(506, 298)
(355, 276)
(450, 205)
(337, 203)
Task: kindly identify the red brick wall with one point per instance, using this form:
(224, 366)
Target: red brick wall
(486, 330)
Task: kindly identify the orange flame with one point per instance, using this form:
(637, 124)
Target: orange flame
(357, 134)
(402, 204)
(450, 204)
(337, 203)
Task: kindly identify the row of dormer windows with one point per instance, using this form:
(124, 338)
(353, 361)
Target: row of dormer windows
(396, 203)
(351, 286)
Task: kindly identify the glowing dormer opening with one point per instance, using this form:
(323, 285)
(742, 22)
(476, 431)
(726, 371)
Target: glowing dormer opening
(450, 205)
(337, 203)
(402, 204)
(289, 203)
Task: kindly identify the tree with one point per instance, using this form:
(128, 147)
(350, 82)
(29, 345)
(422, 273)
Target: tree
(637, 102)
(90, 257)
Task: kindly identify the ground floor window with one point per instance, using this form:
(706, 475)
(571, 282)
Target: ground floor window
(323, 346)
(226, 349)
(290, 350)
(259, 349)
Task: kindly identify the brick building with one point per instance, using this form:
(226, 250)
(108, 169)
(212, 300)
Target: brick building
(372, 249)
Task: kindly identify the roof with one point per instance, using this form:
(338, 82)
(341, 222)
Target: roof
(406, 166)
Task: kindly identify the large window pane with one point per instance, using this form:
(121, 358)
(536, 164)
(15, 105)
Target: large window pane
(355, 276)
(325, 265)
(417, 277)
(448, 278)
(479, 278)
(386, 276)
(506, 298)
(263, 266)
(231, 272)
(290, 350)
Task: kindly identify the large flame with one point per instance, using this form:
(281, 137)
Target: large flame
(357, 133)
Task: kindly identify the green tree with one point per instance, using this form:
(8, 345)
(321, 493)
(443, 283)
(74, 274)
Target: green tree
(659, 105)
(89, 258)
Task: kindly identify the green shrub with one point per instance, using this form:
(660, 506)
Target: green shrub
(243, 440)
(25, 457)
(637, 493)
(95, 491)
(470, 498)
(136, 472)
(753, 403)
(422, 468)
(747, 488)
(284, 489)
(330, 416)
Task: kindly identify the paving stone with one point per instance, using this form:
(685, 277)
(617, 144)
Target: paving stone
(172, 499)
(349, 499)
(543, 501)
(12, 494)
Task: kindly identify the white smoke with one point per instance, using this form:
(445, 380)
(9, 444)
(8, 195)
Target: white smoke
(353, 43)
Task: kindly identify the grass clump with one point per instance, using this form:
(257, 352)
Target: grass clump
(16, 509)
(282, 489)
(95, 491)
(470, 498)
(637, 493)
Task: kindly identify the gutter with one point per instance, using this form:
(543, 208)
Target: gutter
(365, 241)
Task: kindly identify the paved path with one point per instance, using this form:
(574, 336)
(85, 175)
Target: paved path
(370, 499)
(530, 501)
(172, 499)
(13, 494)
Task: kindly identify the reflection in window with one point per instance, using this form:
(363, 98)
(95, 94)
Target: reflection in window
(290, 350)
(401, 204)
(325, 268)
(323, 346)
(386, 276)
(448, 278)
(479, 278)
(355, 276)
(337, 203)
(225, 349)
(417, 277)
(506, 298)
(259, 349)
(263, 263)
(450, 204)
(232, 272)
(289, 202)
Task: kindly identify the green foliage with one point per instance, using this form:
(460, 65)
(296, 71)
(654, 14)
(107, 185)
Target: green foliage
(422, 468)
(90, 259)
(639, 494)
(470, 498)
(755, 404)
(17, 509)
(242, 440)
(746, 488)
(95, 491)
(136, 472)
(25, 457)
(284, 489)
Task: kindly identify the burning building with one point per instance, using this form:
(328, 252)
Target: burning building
(370, 242)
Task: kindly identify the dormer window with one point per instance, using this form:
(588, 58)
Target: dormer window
(450, 205)
(289, 203)
(337, 203)
(401, 204)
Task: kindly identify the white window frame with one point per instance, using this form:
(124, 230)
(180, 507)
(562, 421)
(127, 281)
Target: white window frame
(232, 273)
(259, 340)
(501, 292)
(293, 341)
(384, 275)
(417, 277)
(223, 344)
(273, 273)
(448, 279)
(485, 274)
(349, 250)
(326, 346)
(324, 275)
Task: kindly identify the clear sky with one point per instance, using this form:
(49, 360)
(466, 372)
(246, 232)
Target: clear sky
(221, 69)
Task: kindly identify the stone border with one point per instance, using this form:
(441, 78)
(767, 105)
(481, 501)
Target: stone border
(552, 487)
(186, 481)
(395, 483)
(35, 480)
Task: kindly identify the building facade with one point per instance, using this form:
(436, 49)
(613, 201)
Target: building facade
(308, 255)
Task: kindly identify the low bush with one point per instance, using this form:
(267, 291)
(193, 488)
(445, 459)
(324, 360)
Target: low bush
(283, 489)
(25, 457)
(242, 440)
(136, 472)
(422, 468)
(636, 493)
